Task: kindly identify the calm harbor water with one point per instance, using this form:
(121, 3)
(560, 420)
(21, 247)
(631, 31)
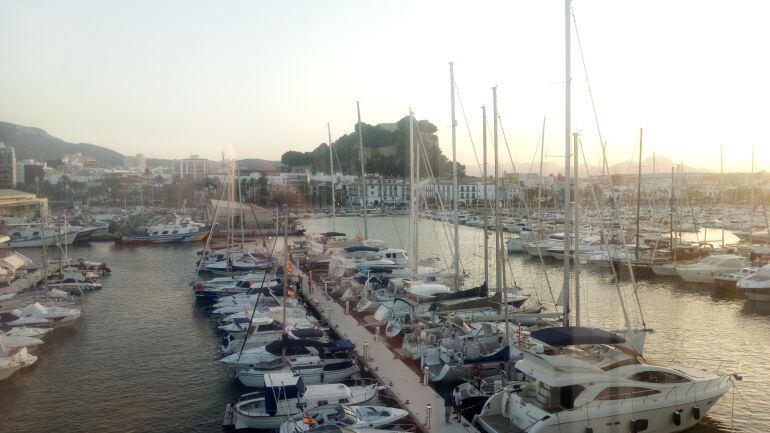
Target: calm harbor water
(142, 357)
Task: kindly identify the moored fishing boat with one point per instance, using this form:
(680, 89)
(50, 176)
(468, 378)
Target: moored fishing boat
(182, 230)
(286, 395)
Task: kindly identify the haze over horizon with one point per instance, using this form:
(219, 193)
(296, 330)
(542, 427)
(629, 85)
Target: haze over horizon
(257, 79)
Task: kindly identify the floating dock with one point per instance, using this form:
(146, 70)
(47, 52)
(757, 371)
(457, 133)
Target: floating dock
(424, 404)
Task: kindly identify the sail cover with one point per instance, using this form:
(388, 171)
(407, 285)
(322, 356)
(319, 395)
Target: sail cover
(575, 335)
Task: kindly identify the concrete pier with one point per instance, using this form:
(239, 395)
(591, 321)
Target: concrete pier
(424, 404)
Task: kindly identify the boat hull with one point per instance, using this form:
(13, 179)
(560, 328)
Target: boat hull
(63, 239)
(757, 294)
(256, 378)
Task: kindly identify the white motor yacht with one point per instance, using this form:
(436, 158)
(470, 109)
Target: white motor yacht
(585, 379)
(12, 344)
(13, 363)
(757, 287)
(708, 268)
(36, 314)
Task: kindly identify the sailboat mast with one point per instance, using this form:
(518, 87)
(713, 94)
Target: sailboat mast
(285, 271)
(638, 197)
(722, 181)
(331, 172)
(499, 253)
(576, 213)
(363, 169)
(486, 201)
(751, 208)
(455, 189)
(540, 183)
(412, 200)
(567, 146)
(671, 216)
(498, 259)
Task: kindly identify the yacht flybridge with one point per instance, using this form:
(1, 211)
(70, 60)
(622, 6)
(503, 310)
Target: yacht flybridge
(585, 380)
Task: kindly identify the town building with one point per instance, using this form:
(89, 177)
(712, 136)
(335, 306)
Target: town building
(21, 205)
(138, 161)
(193, 167)
(7, 166)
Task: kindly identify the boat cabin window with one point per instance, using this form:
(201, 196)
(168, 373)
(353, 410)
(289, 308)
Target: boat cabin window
(35, 233)
(323, 402)
(623, 392)
(267, 327)
(154, 233)
(344, 400)
(657, 377)
(165, 232)
(568, 395)
(175, 232)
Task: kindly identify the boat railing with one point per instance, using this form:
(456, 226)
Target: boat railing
(251, 396)
(365, 381)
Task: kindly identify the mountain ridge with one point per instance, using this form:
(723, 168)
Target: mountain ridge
(35, 143)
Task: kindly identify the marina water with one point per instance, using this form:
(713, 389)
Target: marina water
(142, 357)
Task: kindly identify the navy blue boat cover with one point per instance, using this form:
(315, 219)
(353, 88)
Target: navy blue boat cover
(358, 248)
(299, 346)
(480, 292)
(575, 335)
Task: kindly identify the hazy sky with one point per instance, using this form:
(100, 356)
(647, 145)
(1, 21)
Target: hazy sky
(173, 78)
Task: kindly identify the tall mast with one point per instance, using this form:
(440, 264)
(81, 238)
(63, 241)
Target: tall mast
(540, 182)
(567, 146)
(486, 201)
(638, 197)
(363, 168)
(455, 189)
(576, 213)
(671, 216)
(331, 171)
(722, 181)
(498, 259)
(751, 209)
(499, 255)
(412, 199)
(285, 270)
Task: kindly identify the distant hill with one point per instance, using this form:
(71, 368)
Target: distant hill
(661, 165)
(35, 143)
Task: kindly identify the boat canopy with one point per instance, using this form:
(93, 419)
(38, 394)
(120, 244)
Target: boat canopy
(299, 346)
(332, 234)
(361, 248)
(575, 335)
(480, 292)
